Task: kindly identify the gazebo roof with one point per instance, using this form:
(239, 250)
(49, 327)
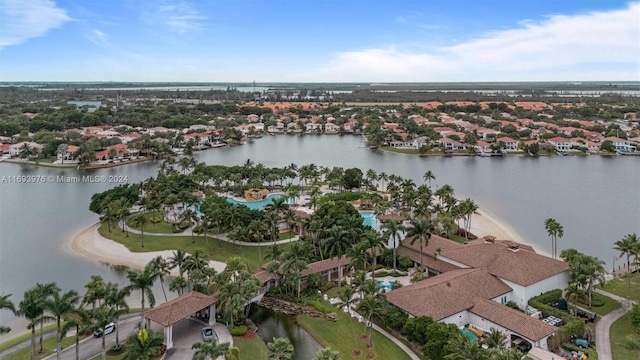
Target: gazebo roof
(180, 308)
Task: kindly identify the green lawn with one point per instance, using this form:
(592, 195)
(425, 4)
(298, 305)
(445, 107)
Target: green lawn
(48, 345)
(609, 305)
(26, 337)
(161, 227)
(254, 349)
(339, 336)
(618, 331)
(401, 151)
(286, 235)
(214, 250)
(621, 286)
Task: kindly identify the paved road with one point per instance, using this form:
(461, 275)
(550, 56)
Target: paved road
(603, 341)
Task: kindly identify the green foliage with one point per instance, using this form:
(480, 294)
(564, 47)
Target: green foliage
(634, 315)
(343, 196)
(591, 354)
(440, 336)
(607, 145)
(352, 178)
(335, 212)
(415, 329)
(239, 330)
(394, 318)
(100, 201)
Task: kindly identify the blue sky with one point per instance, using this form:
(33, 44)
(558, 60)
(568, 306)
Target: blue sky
(319, 41)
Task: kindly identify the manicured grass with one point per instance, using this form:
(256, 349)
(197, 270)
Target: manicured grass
(214, 250)
(609, 306)
(286, 235)
(161, 227)
(254, 349)
(618, 331)
(49, 346)
(26, 337)
(620, 286)
(340, 337)
(401, 151)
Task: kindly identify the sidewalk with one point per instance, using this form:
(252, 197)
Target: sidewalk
(603, 341)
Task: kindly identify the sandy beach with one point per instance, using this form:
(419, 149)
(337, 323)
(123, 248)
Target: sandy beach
(91, 244)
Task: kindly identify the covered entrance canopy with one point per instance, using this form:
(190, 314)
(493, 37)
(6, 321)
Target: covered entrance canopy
(180, 308)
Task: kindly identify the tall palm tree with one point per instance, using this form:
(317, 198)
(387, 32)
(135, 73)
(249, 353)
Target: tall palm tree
(209, 349)
(574, 293)
(45, 291)
(95, 292)
(420, 231)
(337, 245)
(178, 259)
(370, 306)
(393, 230)
(79, 319)
(280, 349)
(428, 176)
(554, 230)
(295, 261)
(32, 308)
(190, 216)
(143, 281)
(348, 299)
(161, 267)
(375, 242)
(495, 339)
(358, 256)
(140, 221)
(626, 247)
(59, 306)
(116, 298)
(145, 344)
(5, 303)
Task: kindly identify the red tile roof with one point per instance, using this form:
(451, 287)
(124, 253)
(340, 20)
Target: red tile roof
(180, 308)
(531, 328)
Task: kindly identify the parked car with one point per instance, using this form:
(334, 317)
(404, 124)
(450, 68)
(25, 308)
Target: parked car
(111, 327)
(207, 333)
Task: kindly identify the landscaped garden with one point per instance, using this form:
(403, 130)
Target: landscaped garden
(627, 286)
(625, 341)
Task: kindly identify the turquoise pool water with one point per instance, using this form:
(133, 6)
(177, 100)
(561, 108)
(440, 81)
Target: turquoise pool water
(384, 284)
(469, 334)
(256, 205)
(369, 219)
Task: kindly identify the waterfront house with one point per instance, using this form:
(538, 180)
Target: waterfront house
(444, 131)
(509, 143)
(70, 154)
(482, 146)
(16, 149)
(621, 145)
(450, 144)
(331, 128)
(560, 143)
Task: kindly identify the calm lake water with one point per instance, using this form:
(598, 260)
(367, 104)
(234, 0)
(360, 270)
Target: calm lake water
(596, 199)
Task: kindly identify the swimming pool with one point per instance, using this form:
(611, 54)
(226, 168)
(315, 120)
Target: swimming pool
(256, 205)
(369, 219)
(469, 334)
(384, 284)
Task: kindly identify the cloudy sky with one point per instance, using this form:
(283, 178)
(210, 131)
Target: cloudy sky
(319, 41)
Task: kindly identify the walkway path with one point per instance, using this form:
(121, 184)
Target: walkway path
(400, 344)
(223, 237)
(603, 341)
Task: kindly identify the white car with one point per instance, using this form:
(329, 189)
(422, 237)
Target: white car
(207, 333)
(111, 327)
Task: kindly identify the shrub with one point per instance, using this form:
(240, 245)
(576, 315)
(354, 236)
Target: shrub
(328, 286)
(238, 330)
(415, 329)
(183, 225)
(404, 262)
(395, 319)
(634, 317)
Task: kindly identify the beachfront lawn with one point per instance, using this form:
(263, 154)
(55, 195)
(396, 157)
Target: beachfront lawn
(339, 336)
(619, 331)
(153, 225)
(620, 286)
(401, 151)
(213, 250)
(49, 345)
(253, 348)
(609, 305)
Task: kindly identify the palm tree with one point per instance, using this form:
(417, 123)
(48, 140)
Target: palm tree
(161, 267)
(233, 353)
(626, 246)
(5, 303)
(327, 354)
(495, 339)
(370, 306)
(337, 245)
(392, 229)
(45, 291)
(420, 231)
(592, 269)
(280, 349)
(32, 308)
(96, 291)
(359, 257)
(140, 221)
(574, 293)
(60, 306)
(375, 242)
(209, 349)
(81, 321)
(143, 281)
(190, 215)
(179, 259)
(554, 230)
(116, 298)
(428, 176)
(348, 299)
(466, 349)
(146, 344)
(295, 261)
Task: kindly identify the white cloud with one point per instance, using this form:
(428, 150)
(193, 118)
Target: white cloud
(23, 20)
(593, 46)
(98, 37)
(178, 16)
